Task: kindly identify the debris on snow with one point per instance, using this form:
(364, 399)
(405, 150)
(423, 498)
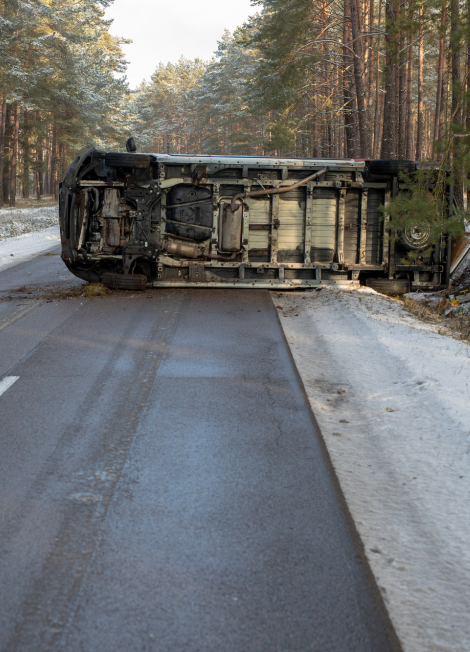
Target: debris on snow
(459, 296)
(433, 299)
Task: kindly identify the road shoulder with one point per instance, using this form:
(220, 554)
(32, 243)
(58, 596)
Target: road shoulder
(390, 395)
(22, 248)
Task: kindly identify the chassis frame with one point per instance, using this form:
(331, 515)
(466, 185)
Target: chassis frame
(328, 231)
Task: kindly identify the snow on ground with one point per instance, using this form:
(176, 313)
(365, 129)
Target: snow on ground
(405, 473)
(15, 221)
(18, 250)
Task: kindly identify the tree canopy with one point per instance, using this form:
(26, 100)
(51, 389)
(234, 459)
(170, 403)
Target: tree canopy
(317, 78)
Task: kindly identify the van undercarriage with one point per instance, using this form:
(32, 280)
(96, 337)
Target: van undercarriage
(131, 220)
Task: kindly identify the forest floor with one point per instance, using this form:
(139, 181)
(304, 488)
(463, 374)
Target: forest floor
(388, 383)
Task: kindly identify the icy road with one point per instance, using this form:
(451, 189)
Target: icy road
(163, 483)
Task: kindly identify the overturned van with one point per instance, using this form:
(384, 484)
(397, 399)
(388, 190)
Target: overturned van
(130, 220)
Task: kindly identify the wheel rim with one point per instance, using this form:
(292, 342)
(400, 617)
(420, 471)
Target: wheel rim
(416, 236)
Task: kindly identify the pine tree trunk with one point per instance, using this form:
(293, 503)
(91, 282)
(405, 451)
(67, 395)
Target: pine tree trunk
(409, 99)
(456, 106)
(350, 119)
(371, 54)
(419, 124)
(378, 95)
(3, 117)
(26, 182)
(402, 113)
(54, 160)
(364, 126)
(441, 62)
(39, 159)
(390, 120)
(39, 173)
(49, 158)
(14, 155)
(455, 52)
(444, 104)
(467, 121)
(7, 154)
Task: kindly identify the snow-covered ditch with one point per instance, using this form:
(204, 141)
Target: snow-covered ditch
(27, 232)
(392, 398)
(16, 221)
(24, 247)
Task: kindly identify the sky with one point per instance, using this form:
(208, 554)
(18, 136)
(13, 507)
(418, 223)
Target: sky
(163, 30)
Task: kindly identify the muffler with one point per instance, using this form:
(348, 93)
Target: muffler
(232, 220)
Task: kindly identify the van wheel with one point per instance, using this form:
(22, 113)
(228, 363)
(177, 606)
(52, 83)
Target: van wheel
(119, 160)
(123, 282)
(415, 237)
(390, 286)
(391, 167)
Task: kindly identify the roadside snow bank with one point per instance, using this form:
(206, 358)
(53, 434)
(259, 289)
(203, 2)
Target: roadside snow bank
(405, 472)
(17, 250)
(15, 221)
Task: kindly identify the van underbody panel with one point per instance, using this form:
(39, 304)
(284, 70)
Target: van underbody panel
(228, 221)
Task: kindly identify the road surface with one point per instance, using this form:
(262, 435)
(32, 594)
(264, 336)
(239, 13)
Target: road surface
(163, 485)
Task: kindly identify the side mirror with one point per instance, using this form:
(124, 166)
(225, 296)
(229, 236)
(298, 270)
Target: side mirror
(130, 145)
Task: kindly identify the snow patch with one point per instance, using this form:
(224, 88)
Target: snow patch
(405, 472)
(16, 221)
(18, 250)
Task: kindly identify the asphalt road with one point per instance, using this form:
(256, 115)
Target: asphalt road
(163, 486)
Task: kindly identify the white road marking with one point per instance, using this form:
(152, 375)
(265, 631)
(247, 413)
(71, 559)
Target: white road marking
(6, 383)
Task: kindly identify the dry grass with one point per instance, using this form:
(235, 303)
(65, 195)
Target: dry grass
(457, 325)
(89, 291)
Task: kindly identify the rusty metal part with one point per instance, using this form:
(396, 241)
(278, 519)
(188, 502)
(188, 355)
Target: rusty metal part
(113, 233)
(110, 212)
(96, 199)
(123, 235)
(84, 254)
(189, 251)
(199, 174)
(277, 191)
(215, 257)
(181, 249)
(196, 273)
(232, 228)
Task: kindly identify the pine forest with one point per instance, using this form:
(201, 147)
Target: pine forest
(305, 78)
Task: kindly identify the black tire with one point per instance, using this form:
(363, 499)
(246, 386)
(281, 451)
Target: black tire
(123, 282)
(391, 167)
(390, 286)
(134, 161)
